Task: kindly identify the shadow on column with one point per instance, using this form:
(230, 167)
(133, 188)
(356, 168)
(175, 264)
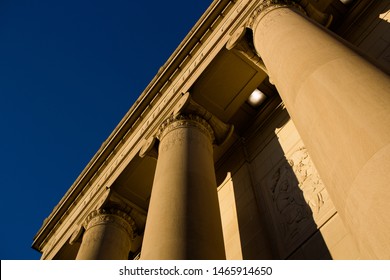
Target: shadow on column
(274, 219)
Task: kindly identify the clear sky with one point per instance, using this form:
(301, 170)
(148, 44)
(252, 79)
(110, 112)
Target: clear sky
(69, 71)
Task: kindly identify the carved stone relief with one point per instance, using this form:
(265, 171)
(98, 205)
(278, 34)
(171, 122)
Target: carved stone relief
(297, 199)
(314, 191)
(290, 207)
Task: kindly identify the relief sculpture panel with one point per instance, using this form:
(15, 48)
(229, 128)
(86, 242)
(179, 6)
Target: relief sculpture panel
(297, 200)
(314, 191)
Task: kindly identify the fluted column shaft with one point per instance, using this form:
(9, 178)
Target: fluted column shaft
(340, 105)
(183, 218)
(108, 236)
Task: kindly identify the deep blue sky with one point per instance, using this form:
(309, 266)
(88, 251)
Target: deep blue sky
(69, 71)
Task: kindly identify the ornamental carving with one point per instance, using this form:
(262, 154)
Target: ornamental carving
(242, 42)
(182, 120)
(308, 180)
(264, 6)
(299, 198)
(304, 7)
(178, 137)
(291, 210)
(111, 216)
(188, 108)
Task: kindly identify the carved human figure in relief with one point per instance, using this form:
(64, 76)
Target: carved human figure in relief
(289, 201)
(309, 181)
(298, 194)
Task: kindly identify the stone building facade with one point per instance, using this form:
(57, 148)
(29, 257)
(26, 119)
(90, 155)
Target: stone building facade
(264, 136)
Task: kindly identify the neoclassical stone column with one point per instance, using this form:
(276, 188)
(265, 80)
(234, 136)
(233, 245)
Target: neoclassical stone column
(184, 219)
(340, 105)
(108, 236)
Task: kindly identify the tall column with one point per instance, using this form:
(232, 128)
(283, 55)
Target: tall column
(183, 218)
(340, 105)
(108, 236)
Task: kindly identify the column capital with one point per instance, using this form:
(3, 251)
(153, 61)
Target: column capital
(111, 216)
(305, 7)
(263, 7)
(185, 120)
(188, 107)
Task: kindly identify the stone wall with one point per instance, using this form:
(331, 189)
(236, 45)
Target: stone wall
(273, 202)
